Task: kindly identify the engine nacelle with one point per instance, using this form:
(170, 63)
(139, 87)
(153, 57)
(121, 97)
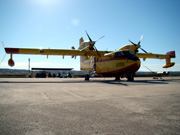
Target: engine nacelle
(11, 62)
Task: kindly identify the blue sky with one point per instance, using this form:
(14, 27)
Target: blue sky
(60, 23)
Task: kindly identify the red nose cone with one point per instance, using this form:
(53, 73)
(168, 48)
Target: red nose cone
(11, 62)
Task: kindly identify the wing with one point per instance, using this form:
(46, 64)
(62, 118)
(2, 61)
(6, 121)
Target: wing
(49, 51)
(166, 56)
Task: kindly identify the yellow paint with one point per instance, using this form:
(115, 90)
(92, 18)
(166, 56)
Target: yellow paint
(107, 65)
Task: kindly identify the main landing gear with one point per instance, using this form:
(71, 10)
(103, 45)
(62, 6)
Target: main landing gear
(87, 77)
(130, 77)
(117, 78)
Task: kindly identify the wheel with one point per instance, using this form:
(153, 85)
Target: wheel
(86, 77)
(131, 77)
(117, 78)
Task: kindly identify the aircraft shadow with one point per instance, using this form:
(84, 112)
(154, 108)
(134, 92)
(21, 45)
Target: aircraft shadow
(136, 82)
(111, 82)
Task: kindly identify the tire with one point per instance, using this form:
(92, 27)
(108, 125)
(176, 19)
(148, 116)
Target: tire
(131, 77)
(117, 78)
(86, 77)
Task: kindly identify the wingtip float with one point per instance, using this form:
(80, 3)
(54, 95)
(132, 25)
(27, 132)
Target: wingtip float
(168, 64)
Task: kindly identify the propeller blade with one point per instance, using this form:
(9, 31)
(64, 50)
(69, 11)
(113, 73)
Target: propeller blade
(100, 38)
(84, 48)
(88, 37)
(132, 42)
(140, 40)
(97, 51)
(138, 45)
(143, 50)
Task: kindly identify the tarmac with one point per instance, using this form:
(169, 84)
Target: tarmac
(101, 106)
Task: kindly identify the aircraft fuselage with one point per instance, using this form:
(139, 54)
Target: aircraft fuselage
(121, 64)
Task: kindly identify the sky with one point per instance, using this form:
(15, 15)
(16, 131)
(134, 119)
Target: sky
(59, 24)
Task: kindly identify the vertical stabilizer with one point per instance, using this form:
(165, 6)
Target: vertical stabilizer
(81, 40)
(85, 61)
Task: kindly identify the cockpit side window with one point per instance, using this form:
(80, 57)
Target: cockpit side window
(130, 55)
(126, 54)
(131, 52)
(118, 54)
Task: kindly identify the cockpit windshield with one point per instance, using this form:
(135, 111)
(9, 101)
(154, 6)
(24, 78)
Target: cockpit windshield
(126, 54)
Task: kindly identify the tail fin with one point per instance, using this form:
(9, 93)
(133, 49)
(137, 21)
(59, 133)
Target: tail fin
(81, 40)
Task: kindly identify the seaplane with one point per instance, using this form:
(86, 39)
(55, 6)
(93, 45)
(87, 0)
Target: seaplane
(122, 63)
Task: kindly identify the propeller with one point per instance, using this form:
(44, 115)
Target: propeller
(143, 50)
(88, 37)
(97, 51)
(138, 44)
(92, 43)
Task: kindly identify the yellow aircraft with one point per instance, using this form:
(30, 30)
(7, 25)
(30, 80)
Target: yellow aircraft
(122, 63)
